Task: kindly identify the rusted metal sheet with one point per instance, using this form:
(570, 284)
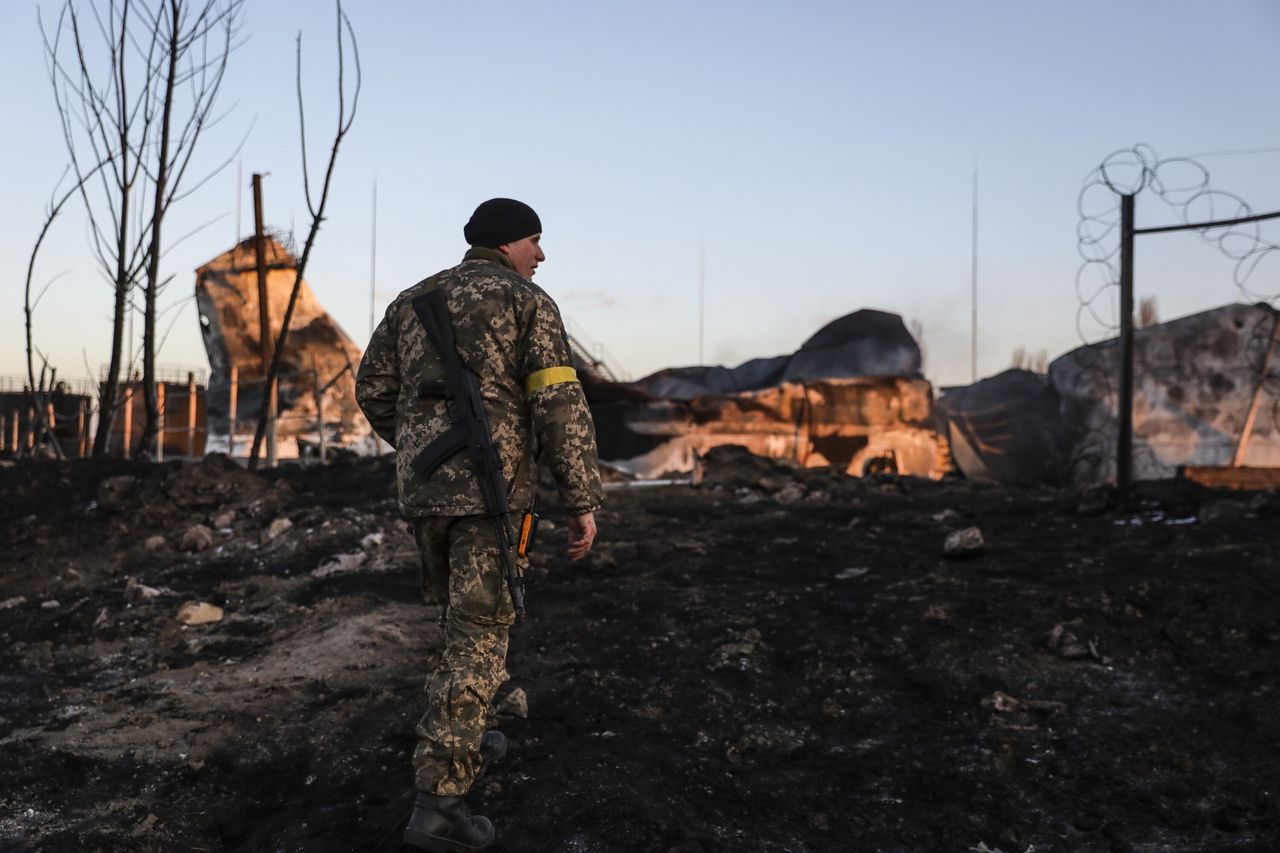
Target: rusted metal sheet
(1240, 478)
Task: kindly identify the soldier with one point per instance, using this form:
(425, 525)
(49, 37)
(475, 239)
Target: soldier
(509, 333)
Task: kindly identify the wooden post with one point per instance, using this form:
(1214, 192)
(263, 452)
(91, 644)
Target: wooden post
(4, 432)
(1238, 459)
(264, 318)
(128, 418)
(231, 415)
(81, 422)
(319, 391)
(271, 424)
(31, 430)
(13, 429)
(160, 431)
(191, 415)
(1124, 449)
(260, 258)
(52, 422)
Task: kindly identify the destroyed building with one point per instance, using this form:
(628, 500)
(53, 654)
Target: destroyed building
(1196, 379)
(316, 388)
(851, 396)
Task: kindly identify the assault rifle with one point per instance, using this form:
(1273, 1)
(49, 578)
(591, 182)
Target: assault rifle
(470, 430)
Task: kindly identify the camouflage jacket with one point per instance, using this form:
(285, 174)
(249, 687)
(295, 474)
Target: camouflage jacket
(509, 334)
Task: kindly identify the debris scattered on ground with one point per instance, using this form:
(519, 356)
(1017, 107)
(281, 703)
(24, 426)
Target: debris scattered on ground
(514, 704)
(196, 538)
(276, 528)
(1066, 644)
(763, 659)
(113, 491)
(965, 542)
(135, 591)
(339, 563)
(199, 613)
(1096, 500)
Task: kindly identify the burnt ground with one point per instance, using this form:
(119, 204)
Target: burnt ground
(778, 660)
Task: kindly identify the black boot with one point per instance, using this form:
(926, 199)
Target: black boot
(446, 825)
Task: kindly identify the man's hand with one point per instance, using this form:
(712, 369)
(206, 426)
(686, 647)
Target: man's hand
(582, 532)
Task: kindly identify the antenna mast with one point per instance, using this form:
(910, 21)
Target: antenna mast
(973, 330)
(702, 292)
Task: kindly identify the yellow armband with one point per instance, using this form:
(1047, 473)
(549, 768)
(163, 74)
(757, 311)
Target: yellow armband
(547, 377)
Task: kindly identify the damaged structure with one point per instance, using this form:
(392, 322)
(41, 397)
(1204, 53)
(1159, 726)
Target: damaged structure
(851, 396)
(316, 389)
(1196, 379)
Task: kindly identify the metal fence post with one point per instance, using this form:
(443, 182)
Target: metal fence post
(1124, 450)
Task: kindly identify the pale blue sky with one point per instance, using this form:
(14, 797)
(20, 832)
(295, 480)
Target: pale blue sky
(822, 150)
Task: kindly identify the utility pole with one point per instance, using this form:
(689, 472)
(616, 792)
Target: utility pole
(373, 256)
(702, 293)
(264, 317)
(260, 258)
(239, 185)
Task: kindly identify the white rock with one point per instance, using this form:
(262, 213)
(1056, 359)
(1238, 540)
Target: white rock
(850, 574)
(339, 563)
(966, 542)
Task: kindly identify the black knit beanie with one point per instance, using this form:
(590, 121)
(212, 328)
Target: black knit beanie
(499, 221)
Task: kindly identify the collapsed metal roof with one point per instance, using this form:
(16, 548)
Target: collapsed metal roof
(851, 396)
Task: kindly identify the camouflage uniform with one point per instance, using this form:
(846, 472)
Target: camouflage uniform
(509, 333)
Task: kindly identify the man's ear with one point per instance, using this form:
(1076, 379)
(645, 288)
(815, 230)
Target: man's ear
(505, 249)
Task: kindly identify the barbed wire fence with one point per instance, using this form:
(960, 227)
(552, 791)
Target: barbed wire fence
(1185, 187)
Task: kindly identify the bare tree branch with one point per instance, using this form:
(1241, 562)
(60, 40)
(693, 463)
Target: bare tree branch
(135, 83)
(317, 213)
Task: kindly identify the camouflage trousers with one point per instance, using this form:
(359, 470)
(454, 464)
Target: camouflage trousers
(461, 573)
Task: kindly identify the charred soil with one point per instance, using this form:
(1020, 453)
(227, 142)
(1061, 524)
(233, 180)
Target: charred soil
(779, 659)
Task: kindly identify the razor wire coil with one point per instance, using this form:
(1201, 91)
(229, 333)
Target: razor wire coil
(1186, 188)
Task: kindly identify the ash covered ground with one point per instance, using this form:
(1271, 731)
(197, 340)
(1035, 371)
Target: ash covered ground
(778, 660)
